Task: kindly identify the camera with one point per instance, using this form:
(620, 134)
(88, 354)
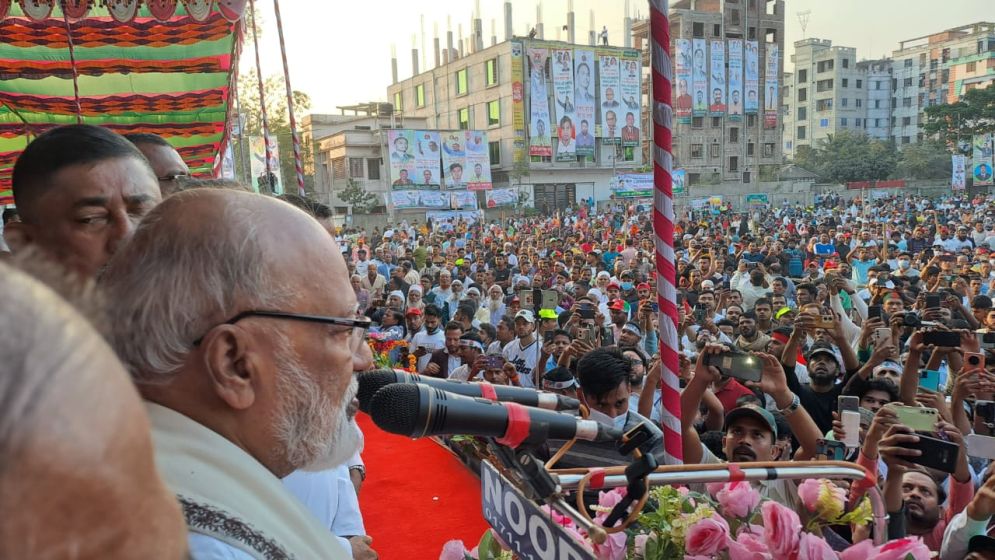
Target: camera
(912, 319)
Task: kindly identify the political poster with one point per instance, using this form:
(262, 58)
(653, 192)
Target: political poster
(228, 163)
(454, 159)
(446, 220)
(682, 105)
(981, 161)
(757, 201)
(717, 79)
(463, 200)
(401, 159)
(427, 159)
(735, 105)
(752, 79)
(699, 78)
(433, 199)
(679, 180)
(257, 165)
(632, 185)
(608, 69)
(629, 67)
(517, 102)
(404, 199)
(408, 199)
(958, 181)
(539, 125)
(478, 161)
(562, 68)
(584, 102)
(771, 100)
(501, 197)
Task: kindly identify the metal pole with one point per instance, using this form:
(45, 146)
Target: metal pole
(72, 63)
(298, 167)
(262, 98)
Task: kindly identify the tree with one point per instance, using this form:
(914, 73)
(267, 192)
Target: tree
(929, 159)
(849, 156)
(953, 122)
(361, 200)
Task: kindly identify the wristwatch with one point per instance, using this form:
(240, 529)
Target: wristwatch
(359, 468)
(796, 403)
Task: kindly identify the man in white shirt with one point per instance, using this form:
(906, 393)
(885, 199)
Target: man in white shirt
(362, 263)
(523, 352)
(373, 282)
(430, 337)
(471, 350)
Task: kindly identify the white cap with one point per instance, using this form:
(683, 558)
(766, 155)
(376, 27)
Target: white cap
(525, 314)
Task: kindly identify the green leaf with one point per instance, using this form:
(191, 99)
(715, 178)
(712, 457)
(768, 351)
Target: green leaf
(488, 547)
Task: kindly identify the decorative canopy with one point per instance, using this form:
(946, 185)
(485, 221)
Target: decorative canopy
(158, 66)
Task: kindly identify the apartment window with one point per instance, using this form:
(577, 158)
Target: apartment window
(697, 29)
(420, 95)
(824, 85)
(908, 63)
(843, 102)
(802, 113)
(800, 133)
(894, 83)
(856, 123)
(734, 163)
(768, 149)
(463, 117)
(492, 71)
(697, 122)
(846, 82)
(877, 85)
(824, 66)
(373, 168)
(824, 105)
(843, 121)
(751, 120)
(398, 101)
(749, 149)
(735, 16)
(713, 150)
(877, 103)
(859, 102)
(893, 121)
(752, 34)
(734, 135)
(802, 76)
(697, 151)
(846, 63)
(716, 30)
(860, 83)
(694, 178)
(494, 112)
(972, 66)
(894, 102)
(907, 102)
(753, 4)
(906, 121)
(746, 176)
(338, 168)
(494, 149)
(802, 94)
(906, 140)
(356, 168)
(907, 82)
(461, 86)
(716, 122)
(877, 123)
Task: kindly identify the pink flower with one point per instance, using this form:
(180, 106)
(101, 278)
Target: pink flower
(612, 549)
(808, 491)
(714, 487)
(860, 551)
(738, 499)
(611, 497)
(639, 544)
(822, 496)
(453, 550)
(707, 537)
(813, 547)
(782, 529)
(748, 546)
(901, 549)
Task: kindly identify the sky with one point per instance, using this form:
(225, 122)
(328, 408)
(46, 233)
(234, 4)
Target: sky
(339, 51)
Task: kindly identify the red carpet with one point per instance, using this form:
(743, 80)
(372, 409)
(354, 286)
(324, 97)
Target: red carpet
(417, 495)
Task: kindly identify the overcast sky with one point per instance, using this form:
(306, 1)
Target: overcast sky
(339, 51)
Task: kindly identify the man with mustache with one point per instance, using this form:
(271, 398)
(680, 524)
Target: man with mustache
(750, 431)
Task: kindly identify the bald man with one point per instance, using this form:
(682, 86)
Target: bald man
(166, 162)
(77, 477)
(235, 315)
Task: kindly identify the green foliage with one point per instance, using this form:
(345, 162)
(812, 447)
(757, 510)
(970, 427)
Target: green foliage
(357, 197)
(849, 156)
(973, 114)
(929, 159)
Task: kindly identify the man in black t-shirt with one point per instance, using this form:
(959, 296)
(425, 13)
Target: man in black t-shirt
(502, 273)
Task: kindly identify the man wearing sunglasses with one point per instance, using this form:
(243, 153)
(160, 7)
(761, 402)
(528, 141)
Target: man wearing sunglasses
(234, 316)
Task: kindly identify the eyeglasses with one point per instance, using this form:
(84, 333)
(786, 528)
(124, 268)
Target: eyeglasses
(357, 332)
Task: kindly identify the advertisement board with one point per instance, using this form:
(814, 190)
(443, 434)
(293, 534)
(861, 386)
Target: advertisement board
(699, 78)
(478, 161)
(518, 102)
(584, 101)
(772, 102)
(679, 179)
(981, 160)
(958, 181)
(539, 125)
(257, 164)
(735, 105)
(454, 159)
(608, 69)
(562, 69)
(752, 79)
(717, 79)
(682, 97)
(632, 185)
(629, 67)
(501, 197)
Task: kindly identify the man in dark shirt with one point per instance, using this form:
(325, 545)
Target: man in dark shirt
(502, 273)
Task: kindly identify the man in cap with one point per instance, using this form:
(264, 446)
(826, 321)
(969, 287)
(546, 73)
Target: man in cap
(414, 319)
(559, 380)
(523, 352)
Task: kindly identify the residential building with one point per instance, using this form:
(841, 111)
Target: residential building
(877, 102)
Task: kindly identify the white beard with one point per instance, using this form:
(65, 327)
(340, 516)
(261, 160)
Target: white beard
(494, 305)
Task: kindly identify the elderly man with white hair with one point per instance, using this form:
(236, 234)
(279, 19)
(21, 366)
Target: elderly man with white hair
(234, 314)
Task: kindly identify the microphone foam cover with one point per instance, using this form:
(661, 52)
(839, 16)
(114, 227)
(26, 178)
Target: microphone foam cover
(370, 382)
(395, 408)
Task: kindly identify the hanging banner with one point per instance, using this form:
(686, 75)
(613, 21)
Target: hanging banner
(463, 200)
(401, 144)
(562, 69)
(501, 197)
(609, 71)
(717, 79)
(629, 89)
(257, 165)
(752, 83)
(699, 78)
(631, 185)
(958, 181)
(735, 104)
(757, 201)
(447, 220)
(679, 178)
(478, 161)
(682, 107)
(539, 127)
(981, 160)
(771, 100)
(517, 103)
(584, 102)
(419, 199)
(454, 159)
(427, 159)
(228, 163)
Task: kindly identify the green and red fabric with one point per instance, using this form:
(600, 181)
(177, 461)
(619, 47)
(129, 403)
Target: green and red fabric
(158, 66)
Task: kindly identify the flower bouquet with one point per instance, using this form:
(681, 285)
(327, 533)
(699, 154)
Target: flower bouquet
(388, 354)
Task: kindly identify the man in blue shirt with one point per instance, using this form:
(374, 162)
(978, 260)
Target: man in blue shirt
(861, 259)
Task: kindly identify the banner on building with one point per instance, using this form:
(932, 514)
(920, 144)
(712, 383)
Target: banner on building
(981, 161)
(631, 185)
(683, 103)
(539, 125)
(427, 159)
(717, 79)
(699, 78)
(679, 179)
(958, 181)
(454, 159)
(517, 103)
(629, 68)
(228, 163)
(257, 165)
(501, 197)
(752, 79)
(408, 199)
(608, 69)
(447, 220)
(735, 105)
(478, 161)
(584, 102)
(756, 201)
(562, 68)
(771, 101)
(463, 200)
(401, 159)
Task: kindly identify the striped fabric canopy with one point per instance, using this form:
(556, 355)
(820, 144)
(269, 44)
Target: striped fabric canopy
(143, 66)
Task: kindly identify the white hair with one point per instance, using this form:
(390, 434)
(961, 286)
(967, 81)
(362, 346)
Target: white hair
(168, 286)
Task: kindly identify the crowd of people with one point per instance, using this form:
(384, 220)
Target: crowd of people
(202, 344)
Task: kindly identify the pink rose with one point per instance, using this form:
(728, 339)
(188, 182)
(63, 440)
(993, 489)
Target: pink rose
(714, 487)
(901, 549)
(612, 549)
(812, 490)
(860, 551)
(782, 528)
(748, 546)
(808, 491)
(812, 547)
(639, 544)
(453, 550)
(738, 499)
(610, 498)
(707, 537)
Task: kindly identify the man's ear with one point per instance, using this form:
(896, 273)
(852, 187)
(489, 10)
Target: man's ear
(18, 235)
(776, 451)
(233, 365)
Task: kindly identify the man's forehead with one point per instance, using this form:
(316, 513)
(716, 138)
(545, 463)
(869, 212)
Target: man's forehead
(119, 179)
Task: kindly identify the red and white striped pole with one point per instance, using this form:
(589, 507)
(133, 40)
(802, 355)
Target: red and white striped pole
(262, 96)
(290, 103)
(663, 227)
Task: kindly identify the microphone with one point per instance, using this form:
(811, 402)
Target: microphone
(370, 383)
(417, 410)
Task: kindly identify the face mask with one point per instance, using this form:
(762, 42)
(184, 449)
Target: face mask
(903, 264)
(626, 286)
(605, 420)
